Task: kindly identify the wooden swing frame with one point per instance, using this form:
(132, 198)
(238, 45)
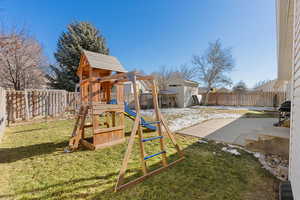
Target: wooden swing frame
(138, 129)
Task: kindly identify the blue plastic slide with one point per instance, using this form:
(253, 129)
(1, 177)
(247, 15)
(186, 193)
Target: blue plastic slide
(131, 114)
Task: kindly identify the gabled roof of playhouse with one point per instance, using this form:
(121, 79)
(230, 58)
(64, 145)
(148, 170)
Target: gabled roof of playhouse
(101, 61)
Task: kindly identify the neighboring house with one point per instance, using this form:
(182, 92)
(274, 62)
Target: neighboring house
(288, 52)
(184, 90)
(275, 86)
(202, 90)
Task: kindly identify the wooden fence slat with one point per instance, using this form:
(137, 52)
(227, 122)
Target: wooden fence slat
(246, 99)
(29, 104)
(3, 107)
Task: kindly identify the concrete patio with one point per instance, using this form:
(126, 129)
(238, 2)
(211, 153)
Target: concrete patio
(239, 131)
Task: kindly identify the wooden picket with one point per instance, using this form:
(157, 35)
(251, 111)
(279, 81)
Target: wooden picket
(29, 104)
(246, 99)
(2, 111)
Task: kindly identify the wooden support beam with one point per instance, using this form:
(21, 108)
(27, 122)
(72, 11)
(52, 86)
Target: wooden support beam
(77, 122)
(98, 109)
(128, 152)
(87, 144)
(104, 130)
(158, 118)
(78, 132)
(150, 78)
(140, 129)
(170, 134)
(154, 172)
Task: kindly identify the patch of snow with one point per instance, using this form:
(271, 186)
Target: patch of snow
(202, 142)
(280, 170)
(237, 108)
(171, 111)
(193, 119)
(257, 155)
(232, 151)
(186, 117)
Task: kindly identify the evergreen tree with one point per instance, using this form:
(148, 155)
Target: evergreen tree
(79, 36)
(240, 87)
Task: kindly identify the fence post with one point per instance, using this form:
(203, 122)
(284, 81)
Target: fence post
(65, 101)
(47, 105)
(26, 105)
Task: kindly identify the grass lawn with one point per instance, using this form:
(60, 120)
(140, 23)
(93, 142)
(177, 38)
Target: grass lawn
(34, 166)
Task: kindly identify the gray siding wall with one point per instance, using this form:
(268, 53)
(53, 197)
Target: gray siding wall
(295, 121)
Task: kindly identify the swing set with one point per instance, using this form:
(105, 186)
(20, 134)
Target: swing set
(99, 75)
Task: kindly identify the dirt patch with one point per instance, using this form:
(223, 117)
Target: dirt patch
(261, 114)
(271, 145)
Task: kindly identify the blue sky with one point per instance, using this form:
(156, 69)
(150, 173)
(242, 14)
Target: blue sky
(149, 34)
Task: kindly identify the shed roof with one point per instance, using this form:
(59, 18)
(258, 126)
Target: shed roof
(101, 61)
(183, 82)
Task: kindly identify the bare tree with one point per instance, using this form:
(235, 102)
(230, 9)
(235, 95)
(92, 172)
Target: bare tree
(213, 66)
(163, 76)
(166, 74)
(21, 59)
(185, 72)
(260, 83)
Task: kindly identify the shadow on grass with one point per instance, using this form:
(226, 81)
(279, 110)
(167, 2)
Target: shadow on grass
(195, 176)
(202, 173)
(58, 193)
(8, 155)
(71, 189)
(77, 188)
(29, 130)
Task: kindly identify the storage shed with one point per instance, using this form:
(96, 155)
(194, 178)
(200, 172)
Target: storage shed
(184, 90)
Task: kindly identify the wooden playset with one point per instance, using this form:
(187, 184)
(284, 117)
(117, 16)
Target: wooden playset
(99, 76)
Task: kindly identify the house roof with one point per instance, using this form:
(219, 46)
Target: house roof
(191, 82)
(184, 82)
(101, 61)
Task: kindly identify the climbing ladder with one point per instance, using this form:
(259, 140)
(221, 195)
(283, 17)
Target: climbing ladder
(138, 129)
(78, 131)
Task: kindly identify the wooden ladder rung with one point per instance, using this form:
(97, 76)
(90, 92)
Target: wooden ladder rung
(103, 130)
(88, 125)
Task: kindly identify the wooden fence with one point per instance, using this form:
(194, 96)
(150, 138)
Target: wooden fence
(2, 111)
(269, 99)
(28, 104)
